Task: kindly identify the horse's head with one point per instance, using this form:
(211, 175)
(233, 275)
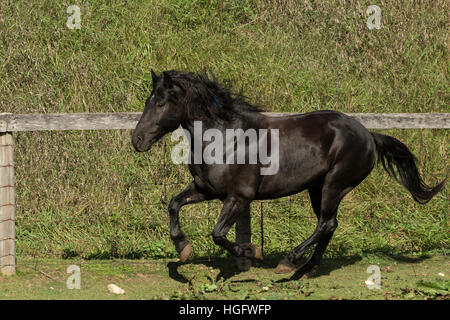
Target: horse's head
(163, 112)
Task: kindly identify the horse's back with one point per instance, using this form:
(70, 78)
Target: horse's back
(309, 145)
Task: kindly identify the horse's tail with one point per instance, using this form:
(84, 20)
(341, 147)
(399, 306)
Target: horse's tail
(392, 152)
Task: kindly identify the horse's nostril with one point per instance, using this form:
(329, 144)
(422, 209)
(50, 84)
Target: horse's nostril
(137, 141)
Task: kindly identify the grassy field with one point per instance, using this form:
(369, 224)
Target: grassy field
(415, 277)
(89, 195)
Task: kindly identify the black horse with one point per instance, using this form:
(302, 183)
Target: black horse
(326, 152)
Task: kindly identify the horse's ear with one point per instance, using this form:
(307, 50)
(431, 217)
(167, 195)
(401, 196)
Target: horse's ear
(167, 80)
(154, 77)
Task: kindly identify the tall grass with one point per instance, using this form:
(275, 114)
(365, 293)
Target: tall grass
(88, 194)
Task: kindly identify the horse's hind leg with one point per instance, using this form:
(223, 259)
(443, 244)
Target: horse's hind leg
(187, 196)
(336, 184)
(312, 264)
(233, 207)
(323, 232)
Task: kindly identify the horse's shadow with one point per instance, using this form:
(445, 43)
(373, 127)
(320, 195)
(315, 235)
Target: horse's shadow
(227, 267)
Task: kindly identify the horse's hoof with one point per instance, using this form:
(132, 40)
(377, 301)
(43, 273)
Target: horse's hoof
(313, 273)
(255, 250)
(258, 253)
(185, 253)
(283, 268)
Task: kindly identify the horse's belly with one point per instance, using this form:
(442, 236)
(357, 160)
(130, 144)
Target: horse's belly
(294, 175)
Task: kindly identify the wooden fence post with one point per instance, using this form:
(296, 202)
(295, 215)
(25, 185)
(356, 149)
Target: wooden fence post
(243, 235)
(7, 236)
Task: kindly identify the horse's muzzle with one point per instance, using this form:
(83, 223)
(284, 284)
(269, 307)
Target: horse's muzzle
(138, 142)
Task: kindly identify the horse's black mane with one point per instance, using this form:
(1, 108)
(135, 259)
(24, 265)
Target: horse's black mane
(206, 97)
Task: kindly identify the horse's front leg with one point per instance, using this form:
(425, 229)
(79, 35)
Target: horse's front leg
(234, 207)
(189, 195)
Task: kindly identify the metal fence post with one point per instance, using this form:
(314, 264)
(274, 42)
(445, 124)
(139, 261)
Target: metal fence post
(7, 233)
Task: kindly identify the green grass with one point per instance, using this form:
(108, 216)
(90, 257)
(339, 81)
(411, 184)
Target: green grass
(88, 194)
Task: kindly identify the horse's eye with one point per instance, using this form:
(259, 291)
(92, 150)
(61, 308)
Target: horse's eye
(160, 104)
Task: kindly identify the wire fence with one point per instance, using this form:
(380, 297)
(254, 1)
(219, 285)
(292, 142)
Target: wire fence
(172, 179)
